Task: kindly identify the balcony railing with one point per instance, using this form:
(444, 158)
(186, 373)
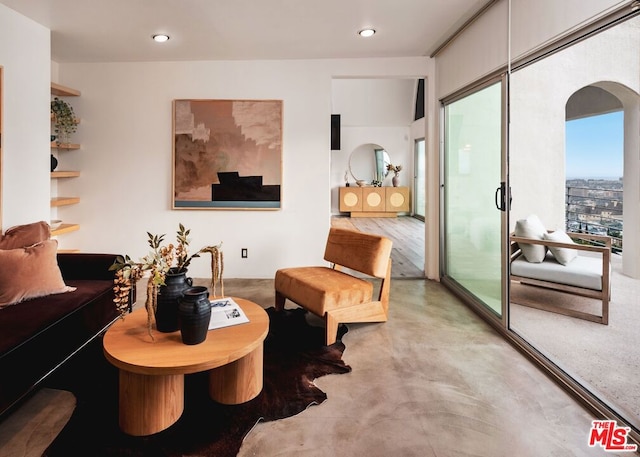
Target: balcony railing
(597, 211)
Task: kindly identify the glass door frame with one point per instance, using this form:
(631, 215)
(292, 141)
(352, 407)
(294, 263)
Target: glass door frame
(419, 161)
(498, 321)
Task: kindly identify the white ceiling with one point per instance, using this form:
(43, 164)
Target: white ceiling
(120, 30)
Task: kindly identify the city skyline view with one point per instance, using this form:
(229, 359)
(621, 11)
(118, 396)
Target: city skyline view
(594, 147)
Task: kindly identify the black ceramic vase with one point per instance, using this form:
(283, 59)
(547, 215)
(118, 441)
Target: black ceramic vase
(194, 313)
(168, 296)
(54, 163)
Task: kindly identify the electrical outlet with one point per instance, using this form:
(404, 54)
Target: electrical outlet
(244, 253)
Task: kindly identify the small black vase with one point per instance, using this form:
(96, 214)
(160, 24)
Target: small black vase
(54, 162)
(194, 314)
(168, 296)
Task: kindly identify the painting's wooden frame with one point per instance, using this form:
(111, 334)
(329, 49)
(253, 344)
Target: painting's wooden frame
(227, 154)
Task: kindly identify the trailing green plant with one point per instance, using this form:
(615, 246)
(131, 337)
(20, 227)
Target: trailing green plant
(64, 121)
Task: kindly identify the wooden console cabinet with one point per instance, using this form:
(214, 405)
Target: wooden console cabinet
(374, 201)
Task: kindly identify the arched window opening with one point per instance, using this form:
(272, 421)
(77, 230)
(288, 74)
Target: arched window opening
(594, 136)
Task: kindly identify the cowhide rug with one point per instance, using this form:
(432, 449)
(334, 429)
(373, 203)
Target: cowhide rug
(294, 356)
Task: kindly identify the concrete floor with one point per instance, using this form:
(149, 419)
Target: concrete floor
(435, 380)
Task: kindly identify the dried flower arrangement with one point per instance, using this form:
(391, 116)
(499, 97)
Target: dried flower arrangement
(157, 264)
(395, 168)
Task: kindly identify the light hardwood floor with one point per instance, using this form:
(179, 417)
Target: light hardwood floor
(407, 234)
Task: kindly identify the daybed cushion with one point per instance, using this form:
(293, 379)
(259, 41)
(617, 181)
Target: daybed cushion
(531, 227)
(583, 271)
(30, 272)
(25, 235)
(562, 255)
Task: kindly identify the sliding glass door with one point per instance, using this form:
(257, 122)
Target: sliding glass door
(574, 143)
(473, 195)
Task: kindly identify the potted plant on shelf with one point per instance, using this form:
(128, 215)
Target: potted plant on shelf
(64, 121)
(166, 267)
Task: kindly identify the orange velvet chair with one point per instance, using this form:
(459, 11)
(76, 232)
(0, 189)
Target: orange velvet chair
(337, 295)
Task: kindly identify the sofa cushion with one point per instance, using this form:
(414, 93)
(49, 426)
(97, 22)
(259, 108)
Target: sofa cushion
(25, 235)
(29, 273)
(562, 255)
(19, 324)
(531, 227)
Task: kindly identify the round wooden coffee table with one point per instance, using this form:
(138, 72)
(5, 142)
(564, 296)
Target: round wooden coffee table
(151, 385)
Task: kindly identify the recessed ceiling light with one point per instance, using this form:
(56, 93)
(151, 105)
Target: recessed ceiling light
(160, 38)
(367, 32)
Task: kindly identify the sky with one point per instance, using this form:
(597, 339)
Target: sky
(594, 146)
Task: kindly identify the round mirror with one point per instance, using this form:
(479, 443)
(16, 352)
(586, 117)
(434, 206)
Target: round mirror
(368, 164)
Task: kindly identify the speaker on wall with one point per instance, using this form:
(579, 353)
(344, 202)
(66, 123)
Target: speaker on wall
(335, 132)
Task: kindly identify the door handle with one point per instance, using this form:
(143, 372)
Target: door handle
(501, 197)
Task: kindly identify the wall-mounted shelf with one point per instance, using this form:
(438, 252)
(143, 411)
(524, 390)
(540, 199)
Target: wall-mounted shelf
(64, 201)
(63, 91)
(64, 174)
(58, 90)
(64, 145)
(65, 228)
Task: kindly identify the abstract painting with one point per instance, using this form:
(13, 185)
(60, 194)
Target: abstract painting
(227, 154)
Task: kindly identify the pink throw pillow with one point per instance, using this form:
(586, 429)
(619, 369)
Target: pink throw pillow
(25, 235)
(30, 272)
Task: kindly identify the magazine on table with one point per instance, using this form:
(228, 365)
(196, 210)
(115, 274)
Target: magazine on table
(226, 312)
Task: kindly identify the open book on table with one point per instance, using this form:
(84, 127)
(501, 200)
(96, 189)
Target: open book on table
(226, 312)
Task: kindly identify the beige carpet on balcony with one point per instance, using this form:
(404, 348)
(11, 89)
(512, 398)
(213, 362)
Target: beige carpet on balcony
(606, 358)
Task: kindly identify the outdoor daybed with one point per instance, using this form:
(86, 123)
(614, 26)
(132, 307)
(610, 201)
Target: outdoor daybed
(51, 305)
(574, 263)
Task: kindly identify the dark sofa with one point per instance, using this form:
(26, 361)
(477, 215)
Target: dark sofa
(39, 335)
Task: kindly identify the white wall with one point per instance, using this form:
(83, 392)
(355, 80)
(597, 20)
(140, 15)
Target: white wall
(25, 58)
(125, 160)
(533, 26)
(126, 137)
(488, 43)
(479, 50)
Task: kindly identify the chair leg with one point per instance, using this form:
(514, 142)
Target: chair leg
(331, 331)
(280, 299)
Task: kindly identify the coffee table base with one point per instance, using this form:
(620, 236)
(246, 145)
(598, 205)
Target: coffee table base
(149, 404)
(237, 382)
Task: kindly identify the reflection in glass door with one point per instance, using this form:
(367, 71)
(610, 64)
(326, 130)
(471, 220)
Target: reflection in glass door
(472, 171)
(419, 186)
